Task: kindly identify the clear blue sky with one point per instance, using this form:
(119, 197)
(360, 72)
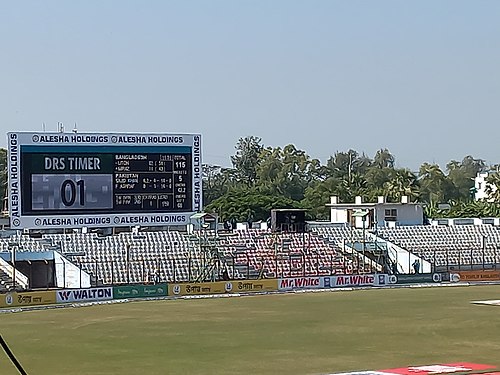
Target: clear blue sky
(421, 78)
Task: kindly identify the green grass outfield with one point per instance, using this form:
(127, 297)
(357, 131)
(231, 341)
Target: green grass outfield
(306, 333)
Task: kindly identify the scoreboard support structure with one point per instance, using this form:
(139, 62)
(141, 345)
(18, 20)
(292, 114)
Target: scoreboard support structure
(74, 180)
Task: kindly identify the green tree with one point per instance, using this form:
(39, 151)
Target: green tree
(402, 183)
(317, 195)
(349, 170)
(344, 164)
(247, 158)
(217, 181)
(462, 175)
(288, 177)
(287, 171)
(434, 184)
(376, 179)
(384, 159)
(244, 204)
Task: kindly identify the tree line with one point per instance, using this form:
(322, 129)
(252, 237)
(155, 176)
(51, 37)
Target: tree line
(263, 177)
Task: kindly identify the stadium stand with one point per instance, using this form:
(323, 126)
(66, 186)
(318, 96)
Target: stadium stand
(133, 257)
(174, 256)
(354, 243)
(5, 281)
(458, 246)
(7, 275)
(272, 255)
(123, 258)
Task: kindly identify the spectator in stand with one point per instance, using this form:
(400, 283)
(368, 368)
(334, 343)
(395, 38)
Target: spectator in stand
(416, 266)
(394, 268)
(157, 276)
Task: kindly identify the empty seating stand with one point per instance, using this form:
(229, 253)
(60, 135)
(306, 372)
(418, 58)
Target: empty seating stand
(267, 254)
(173, 256)
(122, 258)
(451, 247)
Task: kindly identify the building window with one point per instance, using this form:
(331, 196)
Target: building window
(479, 186)
(391, 214)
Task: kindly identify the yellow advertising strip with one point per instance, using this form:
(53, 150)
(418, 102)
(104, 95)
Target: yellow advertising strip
(479, 275)
(27, 299)
(245, 286)
(223, 287)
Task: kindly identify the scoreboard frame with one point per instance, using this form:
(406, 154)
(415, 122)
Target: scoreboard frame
(45, 169)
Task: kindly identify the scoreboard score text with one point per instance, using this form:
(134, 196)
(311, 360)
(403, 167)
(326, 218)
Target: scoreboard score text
(95, 180)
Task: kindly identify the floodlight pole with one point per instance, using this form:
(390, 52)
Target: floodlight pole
(364, 241)
(496, 248)
(484, 248)
(472, 258)
(13, 258)
(128, 263)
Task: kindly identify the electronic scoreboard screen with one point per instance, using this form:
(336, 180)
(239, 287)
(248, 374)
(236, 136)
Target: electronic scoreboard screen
(98, 180)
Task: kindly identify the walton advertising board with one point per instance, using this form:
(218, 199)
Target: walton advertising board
(84, 295)
(103, 180)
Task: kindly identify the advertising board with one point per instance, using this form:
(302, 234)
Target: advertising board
(297, 283)
(248, 286)
(415, 278)
(486, 275)
(223, 287)
(27, 299)
(344, 281)
(84, 295)
(193, 289)
(94, 180)
(140, 291)
(326, 282)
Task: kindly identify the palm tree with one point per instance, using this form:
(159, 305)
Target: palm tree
(384, 159)
(403, 182)
(433, 183)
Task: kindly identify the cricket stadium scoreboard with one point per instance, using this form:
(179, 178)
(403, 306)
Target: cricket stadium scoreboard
(74, 180)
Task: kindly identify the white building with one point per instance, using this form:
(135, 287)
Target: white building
(380, 214)
(480, 185)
